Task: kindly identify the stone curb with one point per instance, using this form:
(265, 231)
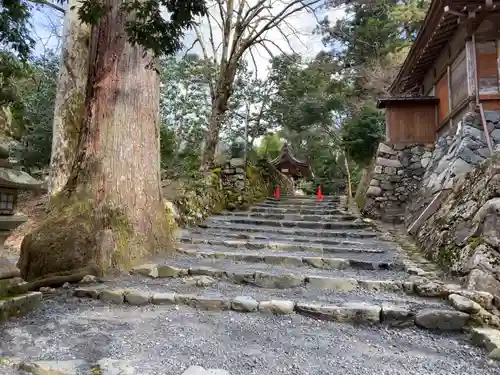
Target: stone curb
(19, 305)
(488, 339)
(304, 232)
(298, 211)
(314, 262)
(288, 216)
(358, 313)
(321, 243)
(334, 225)
(278, 281)
(332, 248)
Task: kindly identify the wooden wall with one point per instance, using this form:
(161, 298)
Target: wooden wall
(442, 94)
(487, 67)
(458, 72)
(410, 123)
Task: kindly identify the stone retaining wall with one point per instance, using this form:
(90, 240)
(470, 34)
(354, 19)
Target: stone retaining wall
(232, 186)
(396, 174)
(463, 235)
(456, 153)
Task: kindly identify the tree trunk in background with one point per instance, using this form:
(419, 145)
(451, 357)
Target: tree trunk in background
(110, 213)
(70, 97)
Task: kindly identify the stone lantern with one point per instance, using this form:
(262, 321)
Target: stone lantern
(11, 182)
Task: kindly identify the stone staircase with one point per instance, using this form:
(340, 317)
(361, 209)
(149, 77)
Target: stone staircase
(294, 286)
(298, 255)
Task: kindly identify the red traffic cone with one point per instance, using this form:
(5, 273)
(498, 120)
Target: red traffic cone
(320, 194)
(277, 193)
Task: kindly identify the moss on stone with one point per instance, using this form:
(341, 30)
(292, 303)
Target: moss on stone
(79, 233)
(447, 256)
(474, 242)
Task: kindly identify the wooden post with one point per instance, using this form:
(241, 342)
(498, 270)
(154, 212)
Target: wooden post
(448, 77)
(498, 63)
(476, 73)
(471, 68)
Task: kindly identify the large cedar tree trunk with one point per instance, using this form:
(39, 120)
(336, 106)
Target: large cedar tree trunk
(110, 213)
(70, 97)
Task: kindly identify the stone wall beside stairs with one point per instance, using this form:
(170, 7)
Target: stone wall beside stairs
(396, 173)
(463, 234)
(458, 151)
(231, 186)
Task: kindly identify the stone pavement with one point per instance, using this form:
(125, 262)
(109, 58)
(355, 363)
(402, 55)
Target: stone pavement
(293, 286)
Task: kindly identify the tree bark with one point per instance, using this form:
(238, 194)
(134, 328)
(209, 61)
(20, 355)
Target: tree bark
(110, 213)
(219, 108)
(70, 97)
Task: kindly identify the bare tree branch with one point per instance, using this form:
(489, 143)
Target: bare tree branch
(49, 4)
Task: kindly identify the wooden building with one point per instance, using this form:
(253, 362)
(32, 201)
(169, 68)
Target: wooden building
(452, 68)
(287, 164)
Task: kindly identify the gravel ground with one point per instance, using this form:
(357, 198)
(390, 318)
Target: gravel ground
(232, 266)
(166, 340)
(301, 294)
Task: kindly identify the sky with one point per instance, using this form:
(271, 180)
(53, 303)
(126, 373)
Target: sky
(47, 27)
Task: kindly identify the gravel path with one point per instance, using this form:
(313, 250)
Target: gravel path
(166, 340)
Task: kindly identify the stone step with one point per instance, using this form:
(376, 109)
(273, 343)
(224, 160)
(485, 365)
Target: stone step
(300, 232)
(297, 210)
(304, 205)
(290, 216)
(369, 308)
(283, 275)
(256, 247)
(18, 305)
(287, 223)
(304, 260)
(308, 198)
(225, 234)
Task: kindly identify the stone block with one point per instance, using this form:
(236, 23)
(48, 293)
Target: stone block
(277, 306)
(170, 271)
(332, 283)
(163, 299)
(443, 320)
(237, 163)
(88, 292)
(282, 259)
(397, 316)
(383, 148)
(19, 305)
(374, 191)
(203, 302)
(138, 298)
(355, 312)
(244, 304)
(381, 285)
(489, 339)
(146, 270)
(388, 162)
(113, 296)
(284, 281)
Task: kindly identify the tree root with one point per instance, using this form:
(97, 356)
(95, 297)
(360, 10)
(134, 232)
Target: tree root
(54, 280)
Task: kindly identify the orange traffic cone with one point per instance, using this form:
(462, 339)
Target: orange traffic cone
(277, 193)
(320, 194)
